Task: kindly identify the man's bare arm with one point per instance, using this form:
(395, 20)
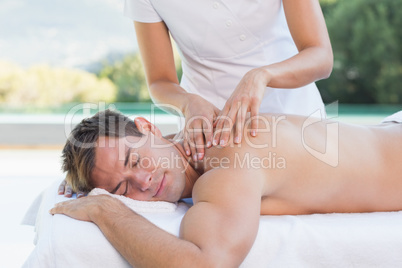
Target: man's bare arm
(224, 220)
(218, 230)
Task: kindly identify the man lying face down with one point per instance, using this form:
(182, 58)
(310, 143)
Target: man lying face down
(296, 165)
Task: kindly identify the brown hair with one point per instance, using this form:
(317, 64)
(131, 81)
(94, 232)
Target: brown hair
(78, 155)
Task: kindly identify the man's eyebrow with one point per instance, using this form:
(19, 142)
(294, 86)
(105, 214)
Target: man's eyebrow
(127, 157)
(117, 187)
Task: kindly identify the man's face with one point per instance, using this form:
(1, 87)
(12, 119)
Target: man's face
(144, 168)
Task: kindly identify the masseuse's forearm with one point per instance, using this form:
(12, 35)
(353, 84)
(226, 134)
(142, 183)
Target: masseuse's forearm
(167, 92)
(143, 244)
(308, 66)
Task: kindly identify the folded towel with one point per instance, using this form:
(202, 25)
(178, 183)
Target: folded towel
(139, 206)
(395, 118)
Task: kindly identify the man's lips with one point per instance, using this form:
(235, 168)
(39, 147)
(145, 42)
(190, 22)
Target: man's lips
(161, 186)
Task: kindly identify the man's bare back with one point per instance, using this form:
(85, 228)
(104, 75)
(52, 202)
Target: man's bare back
(319, 169)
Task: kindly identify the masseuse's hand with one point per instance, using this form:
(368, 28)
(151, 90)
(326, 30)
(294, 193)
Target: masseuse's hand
(199, 114)
(66, 190)
(246, 98)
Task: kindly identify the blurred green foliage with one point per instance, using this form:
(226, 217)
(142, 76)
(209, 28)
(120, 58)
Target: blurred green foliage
(327, 6)
(45, 86)
(366, 37)
(128, 75)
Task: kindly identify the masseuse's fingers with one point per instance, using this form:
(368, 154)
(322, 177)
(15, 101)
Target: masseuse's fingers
(207, 127)
(248, 93)
(254, 117)
(186, 146)
(228, 125)
(240, 121)
(218, 129)
(192, 145)
(218, 124)
(206, 132)
(200, 115)
(198, 140)
(225, 124)
(188, 143)
(205, 139)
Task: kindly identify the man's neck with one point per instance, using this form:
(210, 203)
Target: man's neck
(193, 169)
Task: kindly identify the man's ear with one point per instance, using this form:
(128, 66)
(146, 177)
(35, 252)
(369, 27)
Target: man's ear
(144, 126)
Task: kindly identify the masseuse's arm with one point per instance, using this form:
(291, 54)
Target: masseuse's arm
(158, 61)
(313, 62)
(218, 231)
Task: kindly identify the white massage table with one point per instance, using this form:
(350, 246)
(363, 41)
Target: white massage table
(330, 240)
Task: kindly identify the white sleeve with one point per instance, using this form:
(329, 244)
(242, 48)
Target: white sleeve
(141, 10)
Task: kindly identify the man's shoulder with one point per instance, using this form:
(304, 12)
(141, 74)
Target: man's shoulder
(221, 183)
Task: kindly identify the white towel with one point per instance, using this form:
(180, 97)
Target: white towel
(394, 118)
(139, 206)
(327, 240)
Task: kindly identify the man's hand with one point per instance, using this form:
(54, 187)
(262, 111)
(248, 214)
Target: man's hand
(66, 189)
(83, 209)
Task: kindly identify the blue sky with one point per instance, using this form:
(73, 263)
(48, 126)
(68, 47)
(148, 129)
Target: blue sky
(69, 33)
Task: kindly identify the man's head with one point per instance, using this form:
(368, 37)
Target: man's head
(79, 151)
(112, 152)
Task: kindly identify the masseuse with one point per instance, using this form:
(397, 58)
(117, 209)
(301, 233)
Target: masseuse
(237, 57)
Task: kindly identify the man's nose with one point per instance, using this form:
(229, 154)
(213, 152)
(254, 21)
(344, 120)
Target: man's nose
(143, 180)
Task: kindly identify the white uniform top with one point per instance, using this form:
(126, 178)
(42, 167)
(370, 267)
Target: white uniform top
(219, 41)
